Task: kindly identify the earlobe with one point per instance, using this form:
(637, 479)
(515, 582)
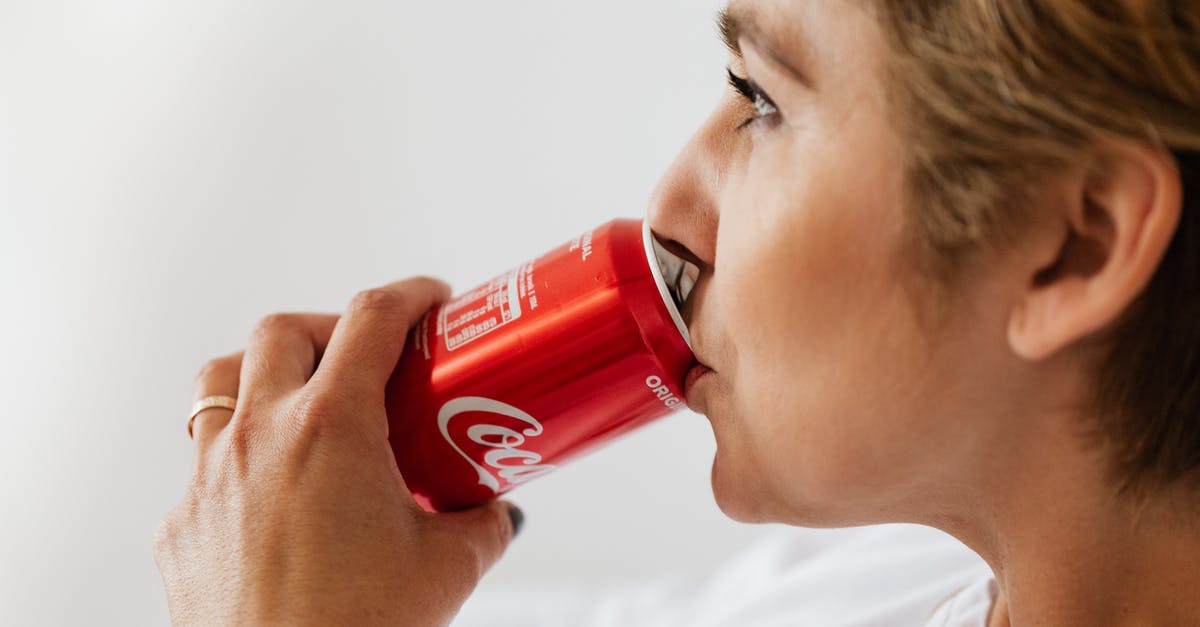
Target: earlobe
(1119, 219)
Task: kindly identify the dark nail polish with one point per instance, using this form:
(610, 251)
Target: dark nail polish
(517, 517)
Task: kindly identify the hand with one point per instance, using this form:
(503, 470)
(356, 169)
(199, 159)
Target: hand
(296, 513)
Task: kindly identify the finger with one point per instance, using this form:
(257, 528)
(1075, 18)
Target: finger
(489, 529)
(283, 352)
(218, 377)
(369, 337)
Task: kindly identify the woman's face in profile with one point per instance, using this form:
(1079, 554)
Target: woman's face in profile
(832, 398)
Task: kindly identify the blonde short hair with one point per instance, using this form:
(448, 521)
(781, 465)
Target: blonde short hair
(992, 95)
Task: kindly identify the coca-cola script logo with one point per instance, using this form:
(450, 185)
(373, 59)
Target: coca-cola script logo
(504, 455)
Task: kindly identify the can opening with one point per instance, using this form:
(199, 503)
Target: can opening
(674, 275)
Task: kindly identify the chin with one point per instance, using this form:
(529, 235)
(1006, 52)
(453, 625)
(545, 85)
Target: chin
(746, 495)
(740, 498)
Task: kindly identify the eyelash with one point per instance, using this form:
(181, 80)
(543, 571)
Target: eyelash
(764, 107)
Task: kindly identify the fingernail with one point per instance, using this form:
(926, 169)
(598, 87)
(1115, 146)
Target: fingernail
(517, 517)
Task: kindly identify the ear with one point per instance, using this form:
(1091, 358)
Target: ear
(1119, 216)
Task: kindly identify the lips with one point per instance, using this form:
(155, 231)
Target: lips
(697, 373)
(693, 377)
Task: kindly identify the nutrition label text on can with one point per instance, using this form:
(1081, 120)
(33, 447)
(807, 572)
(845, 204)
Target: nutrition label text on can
(487, 308)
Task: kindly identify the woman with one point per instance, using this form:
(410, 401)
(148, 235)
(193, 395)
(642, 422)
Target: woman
(950, 255)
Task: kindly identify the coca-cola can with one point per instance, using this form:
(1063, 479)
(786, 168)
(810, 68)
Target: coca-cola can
(510, 380)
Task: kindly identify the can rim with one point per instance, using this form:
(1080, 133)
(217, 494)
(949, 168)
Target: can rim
(652, 261)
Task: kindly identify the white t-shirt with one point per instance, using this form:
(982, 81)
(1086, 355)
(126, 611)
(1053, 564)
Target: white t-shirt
(969, 608)
(882, 576)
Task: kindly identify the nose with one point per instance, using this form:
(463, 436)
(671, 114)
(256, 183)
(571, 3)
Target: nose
(683, 211)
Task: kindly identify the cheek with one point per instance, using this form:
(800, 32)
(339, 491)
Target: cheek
(820, 396)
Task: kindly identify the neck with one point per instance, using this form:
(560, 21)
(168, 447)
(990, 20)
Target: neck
(1068, 550)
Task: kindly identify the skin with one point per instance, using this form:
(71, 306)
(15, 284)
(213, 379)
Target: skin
(847, 388)
(844, 386)
(296, 513)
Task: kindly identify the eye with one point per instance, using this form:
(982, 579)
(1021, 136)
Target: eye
(764, 107)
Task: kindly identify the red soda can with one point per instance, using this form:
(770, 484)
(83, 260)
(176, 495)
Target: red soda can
(508, 381)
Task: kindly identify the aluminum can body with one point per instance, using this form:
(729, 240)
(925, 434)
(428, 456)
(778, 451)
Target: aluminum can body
(508, 381)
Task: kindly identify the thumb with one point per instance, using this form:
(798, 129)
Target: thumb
(488, 528)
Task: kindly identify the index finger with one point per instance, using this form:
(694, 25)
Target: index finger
(369, 337)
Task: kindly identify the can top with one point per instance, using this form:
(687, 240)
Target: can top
(674, 275)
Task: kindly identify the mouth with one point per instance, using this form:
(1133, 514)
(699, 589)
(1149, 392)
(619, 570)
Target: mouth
(678, 272)
(694, 377)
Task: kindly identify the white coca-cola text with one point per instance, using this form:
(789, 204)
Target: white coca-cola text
(510, 462)
(662, 392)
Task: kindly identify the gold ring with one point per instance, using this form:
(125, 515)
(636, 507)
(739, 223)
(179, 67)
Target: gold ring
(209, 402)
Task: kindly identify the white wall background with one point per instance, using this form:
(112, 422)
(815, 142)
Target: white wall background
(172, 171)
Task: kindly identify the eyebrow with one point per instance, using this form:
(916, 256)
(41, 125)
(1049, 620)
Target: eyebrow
(736, 21)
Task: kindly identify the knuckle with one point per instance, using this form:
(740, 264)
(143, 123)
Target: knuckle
(320, 423)
(376, 300)
(234, 469)
(166, 535)
(215, 366)
(314, 412)
(479, 559)
(315, 405)
(458, 552)
(428, 283)
(239, 446)
(429, 288)
(275, 324)
(475, 547)
(231, 457)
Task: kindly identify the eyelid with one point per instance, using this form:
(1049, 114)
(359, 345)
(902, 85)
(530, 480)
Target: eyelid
(751, 93)
(744, 86)
(748, 88)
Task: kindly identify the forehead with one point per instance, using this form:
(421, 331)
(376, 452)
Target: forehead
(844, 107)
(817, 36)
